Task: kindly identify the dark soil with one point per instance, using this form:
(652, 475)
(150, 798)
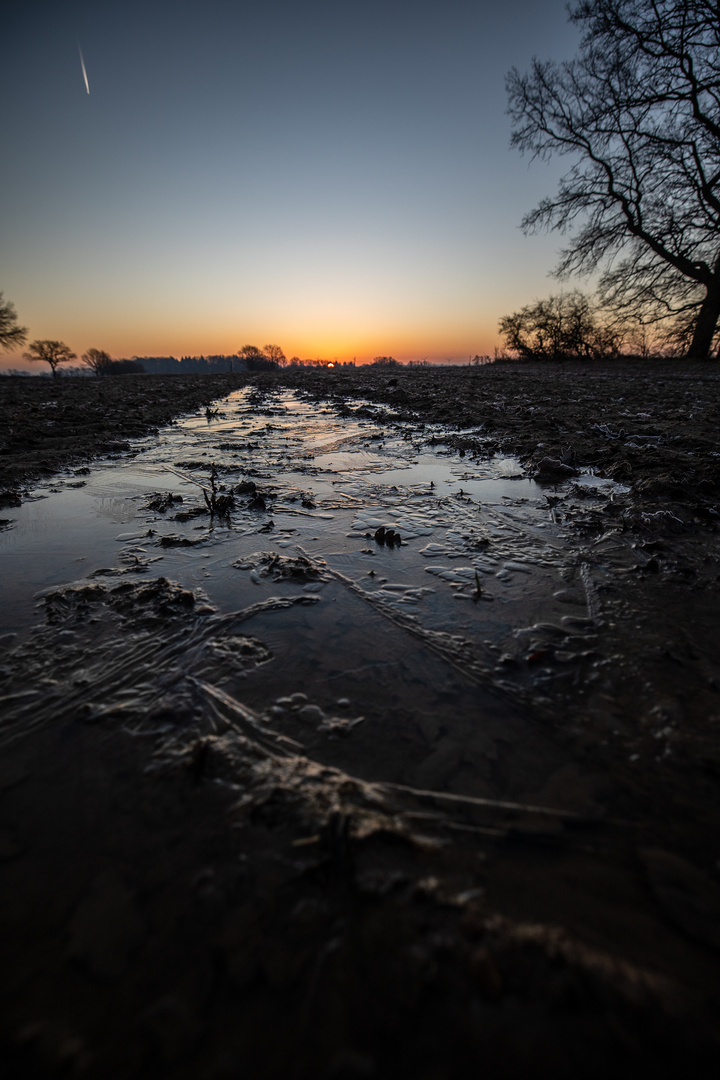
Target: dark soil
(48, 424)
(185, 894)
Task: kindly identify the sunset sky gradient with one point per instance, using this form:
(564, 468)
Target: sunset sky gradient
(332, 176)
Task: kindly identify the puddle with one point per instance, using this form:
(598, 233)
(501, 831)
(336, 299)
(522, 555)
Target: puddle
(417, 628)
(357, 477)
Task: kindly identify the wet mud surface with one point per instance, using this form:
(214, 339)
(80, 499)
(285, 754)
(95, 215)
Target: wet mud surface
(343, 737)
(651, 424)
(51, 423)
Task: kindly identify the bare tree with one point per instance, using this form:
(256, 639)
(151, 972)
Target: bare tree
(97, 360)
(257, 360)
(52, 352)
(249, 352)
(11, 334)
(639, 111)
(559, 327)
(275, 354)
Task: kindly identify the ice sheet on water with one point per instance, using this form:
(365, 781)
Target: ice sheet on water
(462, 535)
(461, 575)
(509, 468)
(433, 548)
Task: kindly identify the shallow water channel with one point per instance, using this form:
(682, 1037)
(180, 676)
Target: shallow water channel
(406, 651)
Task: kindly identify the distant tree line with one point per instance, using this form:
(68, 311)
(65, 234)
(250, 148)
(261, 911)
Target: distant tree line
(100, 363)
(186, 365)
(247, 358)
(295, 361)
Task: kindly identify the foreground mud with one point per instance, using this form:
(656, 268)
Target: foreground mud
(191, 895)
(206, 876)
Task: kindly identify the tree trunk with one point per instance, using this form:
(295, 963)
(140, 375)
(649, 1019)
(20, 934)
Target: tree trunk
(706, 323)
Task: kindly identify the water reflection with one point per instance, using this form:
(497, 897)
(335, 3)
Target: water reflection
(420, 634)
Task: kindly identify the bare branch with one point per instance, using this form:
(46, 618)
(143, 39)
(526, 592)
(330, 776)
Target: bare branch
(638, 113)
(11, 335)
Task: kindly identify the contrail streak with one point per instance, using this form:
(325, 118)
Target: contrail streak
(82, 65)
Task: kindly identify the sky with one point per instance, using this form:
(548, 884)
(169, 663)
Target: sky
(334, 177)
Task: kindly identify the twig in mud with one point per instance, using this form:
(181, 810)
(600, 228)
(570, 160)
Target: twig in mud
(502, 804)
(246, 717)
(187, 479)
(301, 513)
(217, 503)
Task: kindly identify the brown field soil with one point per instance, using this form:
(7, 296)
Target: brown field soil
(185, 894)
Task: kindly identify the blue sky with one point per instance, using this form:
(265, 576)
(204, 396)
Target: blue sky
(334, 177)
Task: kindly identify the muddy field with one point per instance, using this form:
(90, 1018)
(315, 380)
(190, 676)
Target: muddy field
(208, 875)
(651, 424)
(48, 424)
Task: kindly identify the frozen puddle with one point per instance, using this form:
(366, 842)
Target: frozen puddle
(416, 578)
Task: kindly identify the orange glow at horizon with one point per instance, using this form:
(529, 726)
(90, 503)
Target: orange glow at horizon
(346, 191)
(458, 343)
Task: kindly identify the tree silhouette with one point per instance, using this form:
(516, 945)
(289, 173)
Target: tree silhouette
(97, 360)
(559, 327)
(639, 111)
(249, 352)
(10, 333)
(257, 360)
(274, 354)
(52, 352)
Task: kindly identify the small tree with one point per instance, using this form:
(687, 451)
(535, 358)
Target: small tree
(97, 360)
(52, 352)
(558, 327)
(274, 354)
(249, 352)
(10, 333)
(255, 359)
